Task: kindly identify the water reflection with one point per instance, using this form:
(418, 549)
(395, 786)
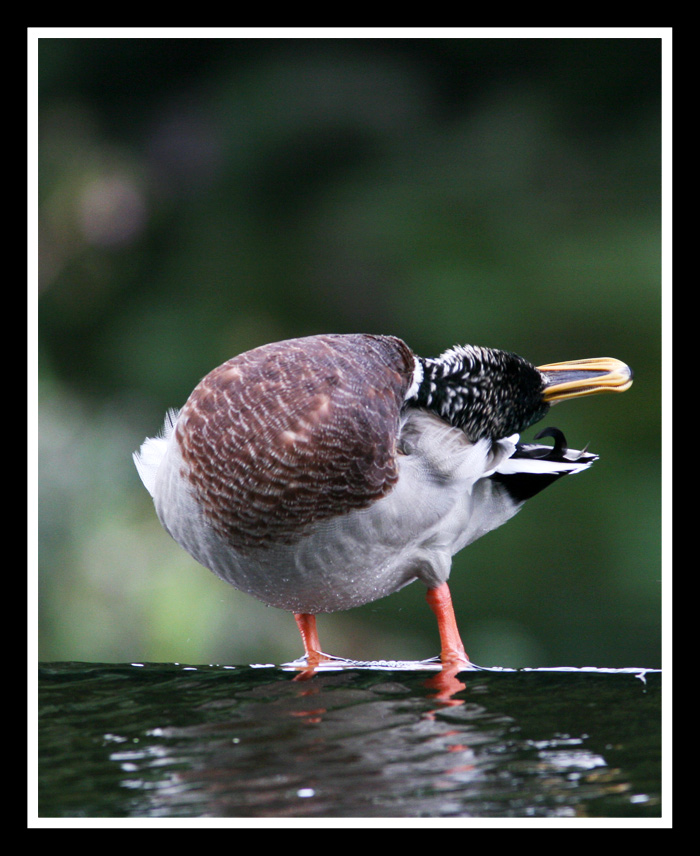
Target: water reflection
(372, 740)
(347, 750)
(445, 681)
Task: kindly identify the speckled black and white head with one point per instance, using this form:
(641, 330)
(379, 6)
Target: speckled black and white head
(491, 393)
(483, 391)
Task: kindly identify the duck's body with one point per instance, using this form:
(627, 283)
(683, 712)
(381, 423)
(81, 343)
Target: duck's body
(323, 473)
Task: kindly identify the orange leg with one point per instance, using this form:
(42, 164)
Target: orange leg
(309, 635)
(440, 601)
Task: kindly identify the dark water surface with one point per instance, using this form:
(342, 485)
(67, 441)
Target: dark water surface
(379, 741)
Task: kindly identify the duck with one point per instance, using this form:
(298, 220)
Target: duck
(321, 473)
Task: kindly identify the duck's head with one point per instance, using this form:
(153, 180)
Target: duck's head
(492, 393)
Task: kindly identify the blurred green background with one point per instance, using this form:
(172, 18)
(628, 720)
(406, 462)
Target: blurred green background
(200, 197)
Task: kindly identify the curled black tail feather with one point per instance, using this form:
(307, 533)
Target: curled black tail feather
(522, 485)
